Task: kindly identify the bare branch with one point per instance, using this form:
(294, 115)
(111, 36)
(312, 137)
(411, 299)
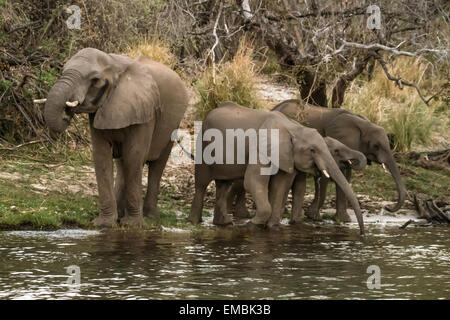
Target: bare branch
(212, 52)
(377, 46)
(399, 81)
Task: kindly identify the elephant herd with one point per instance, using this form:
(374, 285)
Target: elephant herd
(134, 106)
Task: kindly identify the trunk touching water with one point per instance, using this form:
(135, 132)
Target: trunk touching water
(401, 189)
(336, 174)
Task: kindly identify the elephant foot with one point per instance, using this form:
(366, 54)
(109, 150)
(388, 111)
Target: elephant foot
(251, 226)
(342, 216)
(273, 225)
(194, 220)
(241, 213)
(222, 220)
(296, 220)
(313, 214)
(105, 221)
(135, 221)
(151, 213)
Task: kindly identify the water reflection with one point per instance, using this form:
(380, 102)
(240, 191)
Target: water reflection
(293, 263)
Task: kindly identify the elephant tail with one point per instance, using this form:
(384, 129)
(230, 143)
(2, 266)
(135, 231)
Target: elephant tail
(176, 138)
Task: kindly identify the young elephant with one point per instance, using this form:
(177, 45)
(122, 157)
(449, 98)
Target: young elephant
(344, 157)
(133, 107)
(299, 149)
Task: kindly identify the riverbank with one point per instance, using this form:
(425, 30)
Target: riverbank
(38, 194)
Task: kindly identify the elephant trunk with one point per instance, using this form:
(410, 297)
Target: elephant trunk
(54, 112)
(336, 174)
(401, 189)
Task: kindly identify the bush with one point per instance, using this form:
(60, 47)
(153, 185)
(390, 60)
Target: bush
(234, 80)
(410, 123)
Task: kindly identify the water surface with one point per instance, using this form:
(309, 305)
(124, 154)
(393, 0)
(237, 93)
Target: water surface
(304, 262)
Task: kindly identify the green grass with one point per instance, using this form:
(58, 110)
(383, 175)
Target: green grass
(23, 208)
(373, 181)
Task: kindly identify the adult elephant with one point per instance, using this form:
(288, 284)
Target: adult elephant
(133, 107)
(299, 149)
(354, 131)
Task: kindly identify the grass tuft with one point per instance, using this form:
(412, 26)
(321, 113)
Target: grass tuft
(154, 49)
(234, 80)
(400, 112)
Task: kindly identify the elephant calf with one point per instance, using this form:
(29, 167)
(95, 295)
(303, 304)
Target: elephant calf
(133, 107)
(299, 149)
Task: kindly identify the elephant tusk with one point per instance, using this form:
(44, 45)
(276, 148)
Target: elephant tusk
(72, 104)
(39, 101)
(384, 167)
(350, 161)
(325, 173)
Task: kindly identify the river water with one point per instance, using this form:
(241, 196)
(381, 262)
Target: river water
(304, 262)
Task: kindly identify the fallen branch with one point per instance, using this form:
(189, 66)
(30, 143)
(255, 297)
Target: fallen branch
(24, 144)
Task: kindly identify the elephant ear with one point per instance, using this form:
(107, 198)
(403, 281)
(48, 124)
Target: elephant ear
(349, 128)
(284, 144)
(133, 99)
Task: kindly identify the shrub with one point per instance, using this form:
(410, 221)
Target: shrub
(410, 123)
(234, 80)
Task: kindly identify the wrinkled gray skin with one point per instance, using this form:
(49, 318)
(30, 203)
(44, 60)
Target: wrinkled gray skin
(300, 149)
(354, 131)
(133, 107)
(344, 157)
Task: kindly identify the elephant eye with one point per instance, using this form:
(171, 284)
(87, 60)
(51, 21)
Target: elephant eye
(94, 81)
(313, 150)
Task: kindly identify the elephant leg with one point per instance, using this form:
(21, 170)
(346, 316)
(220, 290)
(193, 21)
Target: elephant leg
(155, 171)
(341, 201)
(221, 216)
(298, 196)
(135, 150)
(202, 179)
(279, 187)
(238, 192)
(258, 186)
(119, 188)
(320, 193)
(102, 153)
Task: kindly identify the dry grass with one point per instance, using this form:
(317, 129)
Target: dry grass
(401, 112)
(234, 80)
(154, 49)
